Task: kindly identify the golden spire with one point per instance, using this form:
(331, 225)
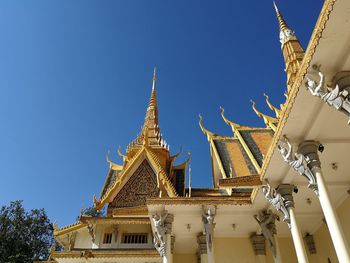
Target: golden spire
(292, 51)
(269, 121)
(150, 133)
(282, 23)
(273, 108)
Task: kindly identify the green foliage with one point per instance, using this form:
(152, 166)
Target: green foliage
(24, 236)
(91, 211)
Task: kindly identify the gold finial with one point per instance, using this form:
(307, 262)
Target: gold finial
(204, 130)
(268, 120)
(96, 202)
(282, 23)
(124, 157)
(177, 154)
(273, 108)
(234, 126)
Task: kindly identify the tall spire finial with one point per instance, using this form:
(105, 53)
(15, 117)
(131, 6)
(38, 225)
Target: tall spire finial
(292, 51)
(154, 78)
(282, 23)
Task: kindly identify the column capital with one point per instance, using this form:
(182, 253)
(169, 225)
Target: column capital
(310, 150)
(281, 198)
(304, 161)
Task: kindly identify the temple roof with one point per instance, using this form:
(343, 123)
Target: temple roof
(240, 155)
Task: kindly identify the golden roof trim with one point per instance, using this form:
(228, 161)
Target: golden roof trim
(313, 43)
(67, 229)
(238, 127)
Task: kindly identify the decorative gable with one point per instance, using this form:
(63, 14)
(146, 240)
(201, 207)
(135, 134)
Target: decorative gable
(141, 185)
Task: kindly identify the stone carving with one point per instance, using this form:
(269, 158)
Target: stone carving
(266, 220)
(209, 225)
(159, 238)
(280, 202)
(141, 185)
(298, 162)
(91, 229)
(337, 97)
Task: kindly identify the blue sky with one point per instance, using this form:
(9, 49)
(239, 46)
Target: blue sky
(76, 76)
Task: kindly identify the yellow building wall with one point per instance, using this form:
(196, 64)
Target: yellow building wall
(185, 258)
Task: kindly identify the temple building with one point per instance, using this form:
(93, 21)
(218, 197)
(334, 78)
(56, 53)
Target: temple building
(271, 199)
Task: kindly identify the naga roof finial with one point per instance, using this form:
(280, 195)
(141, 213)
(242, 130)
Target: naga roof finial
(269, 121)
(204, 130)
(273, 108)
(233, 125)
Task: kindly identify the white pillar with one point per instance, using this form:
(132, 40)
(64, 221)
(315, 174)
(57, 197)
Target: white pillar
(277, 258)
(168, 258)
(337, 235)
(309, 149)
(297, 238)
(282, 199)
(210, 254)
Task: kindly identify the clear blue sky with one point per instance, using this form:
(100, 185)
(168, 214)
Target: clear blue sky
(76, 76)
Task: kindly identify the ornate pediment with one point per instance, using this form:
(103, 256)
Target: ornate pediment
(141, 185)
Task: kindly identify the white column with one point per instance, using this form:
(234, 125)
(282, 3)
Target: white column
(168, 255)
(337, 235)
(282, 199)
(277, 258)
(309, 149)
(297, 238)
(210, 254)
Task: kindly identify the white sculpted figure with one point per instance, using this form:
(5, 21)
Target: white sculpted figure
(298, 162)
(336, 97)
(209, 225)
(159, 235)
(266, 220)
(276, 200)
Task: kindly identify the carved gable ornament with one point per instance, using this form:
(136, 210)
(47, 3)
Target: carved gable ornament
(140, 186)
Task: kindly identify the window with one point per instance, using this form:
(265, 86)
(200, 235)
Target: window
(107, 238)
(134, 238)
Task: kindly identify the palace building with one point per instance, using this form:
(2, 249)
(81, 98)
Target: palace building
(280, 192)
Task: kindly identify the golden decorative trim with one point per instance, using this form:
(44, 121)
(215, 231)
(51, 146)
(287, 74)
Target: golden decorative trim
(310, 51)
(131, 211)
(241, 181)
(115, 220)
(200, 201)
(122, 253)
